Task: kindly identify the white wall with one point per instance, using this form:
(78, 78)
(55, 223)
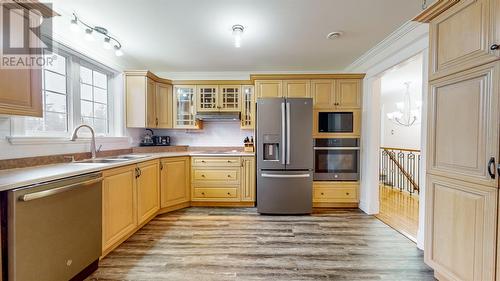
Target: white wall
(393, 90)
(406, 42)
(213, 134)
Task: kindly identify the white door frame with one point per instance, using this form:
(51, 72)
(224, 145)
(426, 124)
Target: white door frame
(416, 43)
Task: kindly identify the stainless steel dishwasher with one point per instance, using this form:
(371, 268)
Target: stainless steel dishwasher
(54, 228)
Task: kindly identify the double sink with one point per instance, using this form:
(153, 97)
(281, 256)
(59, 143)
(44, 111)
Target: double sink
(114, 159)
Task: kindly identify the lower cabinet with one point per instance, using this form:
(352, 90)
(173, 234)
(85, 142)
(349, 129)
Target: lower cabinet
(461, 230)
(223, 179)
(148, 190)
(130, 196)
(335, 194)
(119, 203)
(175, 181)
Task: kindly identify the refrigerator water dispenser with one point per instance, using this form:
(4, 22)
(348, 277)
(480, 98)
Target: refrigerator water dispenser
(271, 152)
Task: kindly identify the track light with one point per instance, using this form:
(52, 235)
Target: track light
(109, 42)
(118, 51)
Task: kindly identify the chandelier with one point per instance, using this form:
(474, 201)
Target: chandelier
(407, 113)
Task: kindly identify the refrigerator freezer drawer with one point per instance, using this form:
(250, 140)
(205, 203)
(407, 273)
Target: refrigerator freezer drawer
(284, 192)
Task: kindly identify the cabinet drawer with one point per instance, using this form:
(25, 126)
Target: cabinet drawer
(216, 162)
(335, 194)
(230, 176)
(215, 193)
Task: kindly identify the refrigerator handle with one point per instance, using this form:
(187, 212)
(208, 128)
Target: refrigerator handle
(283, 136)
(288, 141)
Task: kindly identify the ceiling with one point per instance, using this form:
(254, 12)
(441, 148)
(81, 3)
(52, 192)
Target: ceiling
(280, 35)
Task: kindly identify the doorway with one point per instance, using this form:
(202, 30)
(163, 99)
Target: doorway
(401, 89)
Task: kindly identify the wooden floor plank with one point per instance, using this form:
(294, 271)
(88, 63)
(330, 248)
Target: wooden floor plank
(239, 244)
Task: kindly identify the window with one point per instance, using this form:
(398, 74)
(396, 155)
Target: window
(55, 99)
(94, 99)
(75, 91)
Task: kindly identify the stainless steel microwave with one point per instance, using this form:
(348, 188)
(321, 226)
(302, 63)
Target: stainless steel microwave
(336, 122)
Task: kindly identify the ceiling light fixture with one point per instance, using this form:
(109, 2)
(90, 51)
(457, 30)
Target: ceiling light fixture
(237, 34)
(109, 42)
(334, 35)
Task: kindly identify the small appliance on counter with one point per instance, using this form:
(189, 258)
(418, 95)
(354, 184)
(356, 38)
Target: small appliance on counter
(161, 140)
(147, 138)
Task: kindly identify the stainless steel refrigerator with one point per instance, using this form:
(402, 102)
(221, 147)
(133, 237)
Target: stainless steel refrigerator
(284, 155)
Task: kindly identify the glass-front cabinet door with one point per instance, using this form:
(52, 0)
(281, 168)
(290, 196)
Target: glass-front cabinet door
(230, 98)
(185, 107)
(207, 98)
(247, 107)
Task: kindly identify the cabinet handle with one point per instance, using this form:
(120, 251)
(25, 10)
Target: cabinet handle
(140, 171)
(494, 47)
(491, 163)
(161, 166)
(156, 121)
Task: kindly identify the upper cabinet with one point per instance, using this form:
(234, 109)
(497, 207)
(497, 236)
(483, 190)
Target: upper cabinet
(465, 36)
(214, 98)
(21, 89)
(269, 88)
(148, 101)
(247, 107)
(323, 93)
(185, 107)
(297, 88)
(336, 94)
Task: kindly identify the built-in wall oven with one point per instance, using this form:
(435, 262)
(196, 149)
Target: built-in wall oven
(336, 159)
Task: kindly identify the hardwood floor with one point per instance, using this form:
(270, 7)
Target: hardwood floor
(399, 210)
(239, 244)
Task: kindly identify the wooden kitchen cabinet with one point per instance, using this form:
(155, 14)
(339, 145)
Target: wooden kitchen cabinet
(220, 180)
(148, 101)
(335, 194)
(148, 190)
(185, 107)
(21, 89)
(461, 38)
(461, 229)
(164, 98)
(216, 98)
(323, 94)
(119, 203)
(175, 181)
(248, 179)
(248, 107)
(348, 94)
(269, 88)
(297, 88)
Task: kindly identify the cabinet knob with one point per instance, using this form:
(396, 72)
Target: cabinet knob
(228, 176)
(228, 193)
(494, 47)
(322, 193)
(202, 176)
(202, 161)
(347, 193)
(203, 193)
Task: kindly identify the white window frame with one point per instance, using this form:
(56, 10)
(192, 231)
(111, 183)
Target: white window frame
(73, 62)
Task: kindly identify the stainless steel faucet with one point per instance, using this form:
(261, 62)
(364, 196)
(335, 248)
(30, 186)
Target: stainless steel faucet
(92, 141)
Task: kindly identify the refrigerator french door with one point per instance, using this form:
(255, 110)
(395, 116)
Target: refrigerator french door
(284, 156)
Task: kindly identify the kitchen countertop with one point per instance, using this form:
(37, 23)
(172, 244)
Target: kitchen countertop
(15, 178)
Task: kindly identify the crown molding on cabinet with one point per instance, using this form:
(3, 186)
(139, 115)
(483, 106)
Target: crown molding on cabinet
(434, 10)
(149, 74)
(254, 77)
(212, 82)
